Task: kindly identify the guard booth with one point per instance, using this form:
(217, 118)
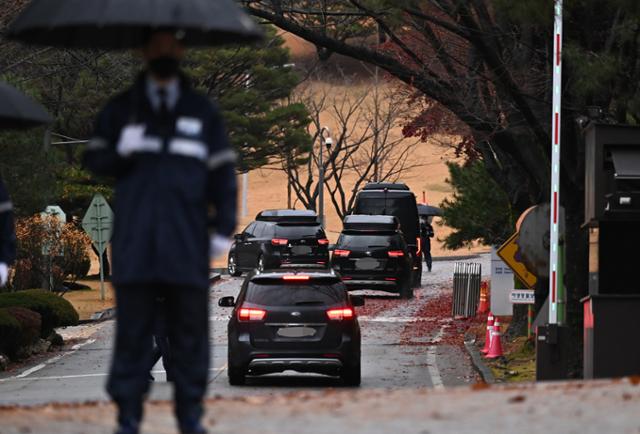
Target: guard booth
(612, 217)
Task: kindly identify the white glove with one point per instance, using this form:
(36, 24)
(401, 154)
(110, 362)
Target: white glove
(219, 246)
(131, 140)
(4, 274)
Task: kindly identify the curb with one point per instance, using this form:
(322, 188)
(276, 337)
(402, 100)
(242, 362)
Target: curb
(478, 363)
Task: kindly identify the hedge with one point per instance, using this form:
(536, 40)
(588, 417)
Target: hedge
(54, 310)
(30, 323)
(10, 333)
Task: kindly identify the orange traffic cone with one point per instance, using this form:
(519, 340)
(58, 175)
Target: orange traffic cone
(495, 349)
(487, 339)
(483, 306)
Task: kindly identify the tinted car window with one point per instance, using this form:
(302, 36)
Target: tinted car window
(269, 230)
(250, 230)
(299, 231)
(363, 241)
(295, 295)
(403, 207)
(259, 231)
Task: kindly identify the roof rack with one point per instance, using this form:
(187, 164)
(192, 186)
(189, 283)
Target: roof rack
(385, 186)
(371, 223)
(288, 216)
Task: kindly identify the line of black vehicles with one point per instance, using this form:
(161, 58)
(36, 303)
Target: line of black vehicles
(294, 310)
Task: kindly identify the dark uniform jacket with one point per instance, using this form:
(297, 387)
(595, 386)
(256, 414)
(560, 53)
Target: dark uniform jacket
(7, 228)
(171, 194)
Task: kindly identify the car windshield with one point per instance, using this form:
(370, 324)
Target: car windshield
(295, 295)
(299, 231)
(366, 241)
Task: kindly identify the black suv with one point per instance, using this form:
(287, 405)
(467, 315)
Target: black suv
(379, 198)
(280, 239)
(302, 321)
(371, 253)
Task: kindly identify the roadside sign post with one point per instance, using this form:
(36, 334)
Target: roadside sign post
(98, 223)
(54, 212)
(528, 297)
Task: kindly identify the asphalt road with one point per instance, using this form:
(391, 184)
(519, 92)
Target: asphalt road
(79, 373)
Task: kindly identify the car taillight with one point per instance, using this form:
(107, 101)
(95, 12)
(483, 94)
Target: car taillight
(342, 253)
(396, 253)
(418, 246)
(323, 241)
(279, 242)
(296, 278)
(340, 314)
(251, 314)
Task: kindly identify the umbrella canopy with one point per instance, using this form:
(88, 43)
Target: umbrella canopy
(18, 111)
(123, 24)
(428, 210)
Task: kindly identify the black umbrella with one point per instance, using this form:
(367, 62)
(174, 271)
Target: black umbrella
(18, 111)
(123, 24)
(428, 210)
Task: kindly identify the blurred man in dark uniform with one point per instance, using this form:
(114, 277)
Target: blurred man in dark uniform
(167, 147)
(7, 235)
(426, 233)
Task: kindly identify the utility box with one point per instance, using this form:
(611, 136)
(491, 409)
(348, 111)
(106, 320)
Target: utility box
(612, 178)
(612, 217)
(611, 343)
(552, 352)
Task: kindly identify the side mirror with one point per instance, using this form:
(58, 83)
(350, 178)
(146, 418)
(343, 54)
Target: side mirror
(357, 300)
(332, 247)
(238, 237)
(227, 302)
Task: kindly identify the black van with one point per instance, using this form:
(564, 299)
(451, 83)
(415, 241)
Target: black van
(280, 239)
(379, 198)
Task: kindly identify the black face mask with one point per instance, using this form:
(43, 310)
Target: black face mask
(164, 67)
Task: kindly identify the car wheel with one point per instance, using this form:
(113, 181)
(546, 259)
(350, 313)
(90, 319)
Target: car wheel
(351, 375)
(237, 376)
(232, 267)
(260, 266)
(406, 291)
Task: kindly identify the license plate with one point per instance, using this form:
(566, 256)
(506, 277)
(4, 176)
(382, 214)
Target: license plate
(367, 264)
(296, 332)
(301, 250)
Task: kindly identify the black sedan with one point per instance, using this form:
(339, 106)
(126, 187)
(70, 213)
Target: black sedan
(371, 253)
(280, 239)
(302, 321)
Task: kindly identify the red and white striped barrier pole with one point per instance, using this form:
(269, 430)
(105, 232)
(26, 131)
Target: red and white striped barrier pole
(556, 122)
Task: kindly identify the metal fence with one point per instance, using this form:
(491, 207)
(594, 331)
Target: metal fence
(467, 279)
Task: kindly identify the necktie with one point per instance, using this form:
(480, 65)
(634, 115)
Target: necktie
(163, 109)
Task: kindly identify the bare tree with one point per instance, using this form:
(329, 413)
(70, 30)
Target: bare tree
(367, 146)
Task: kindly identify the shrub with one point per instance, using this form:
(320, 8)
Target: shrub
(9, 333)
(30, 324)
(68, 246)
(54, 310)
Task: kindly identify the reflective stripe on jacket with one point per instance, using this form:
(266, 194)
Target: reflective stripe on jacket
(171, 193)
